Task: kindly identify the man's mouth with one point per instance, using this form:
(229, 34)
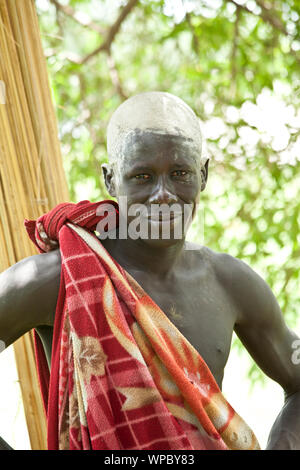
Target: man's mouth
(164, 217)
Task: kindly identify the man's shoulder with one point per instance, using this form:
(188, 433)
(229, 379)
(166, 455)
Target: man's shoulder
(222, 263)
(28, 294)
(34, 268)
(245, 285)
(233, 273)
(46, 264)
(227, 267)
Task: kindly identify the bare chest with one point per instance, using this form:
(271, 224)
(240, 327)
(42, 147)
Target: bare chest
(198, 306)
(202, 311)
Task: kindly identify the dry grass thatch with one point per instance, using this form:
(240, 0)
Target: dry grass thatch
(32, 179)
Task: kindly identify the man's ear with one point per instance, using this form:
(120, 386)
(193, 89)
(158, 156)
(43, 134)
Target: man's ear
(204, 174)
(109, 178)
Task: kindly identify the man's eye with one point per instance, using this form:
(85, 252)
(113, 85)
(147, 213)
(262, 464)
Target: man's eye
(179, 173)
(142, 176)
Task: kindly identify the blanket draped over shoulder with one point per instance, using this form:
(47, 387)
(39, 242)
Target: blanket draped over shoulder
(122, 375)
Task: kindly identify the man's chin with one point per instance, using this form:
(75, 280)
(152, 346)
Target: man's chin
(162, 242)
(160, 233)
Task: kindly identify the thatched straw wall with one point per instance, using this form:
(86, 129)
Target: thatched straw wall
(32, 179)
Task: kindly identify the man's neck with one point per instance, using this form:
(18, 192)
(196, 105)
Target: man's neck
(139, 255)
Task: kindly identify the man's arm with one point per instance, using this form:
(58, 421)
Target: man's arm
(28, 295)
(262, 329)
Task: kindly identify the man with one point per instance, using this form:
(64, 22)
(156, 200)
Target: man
(179, 290)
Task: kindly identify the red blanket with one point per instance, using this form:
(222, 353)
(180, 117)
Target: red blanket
(122, 375)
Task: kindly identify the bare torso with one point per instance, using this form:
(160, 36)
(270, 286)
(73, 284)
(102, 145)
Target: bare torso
(207, 296)
(197, 303)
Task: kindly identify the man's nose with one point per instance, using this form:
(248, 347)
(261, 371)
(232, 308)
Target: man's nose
(162, 194)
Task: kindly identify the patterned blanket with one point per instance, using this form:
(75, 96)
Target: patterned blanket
(122, 375)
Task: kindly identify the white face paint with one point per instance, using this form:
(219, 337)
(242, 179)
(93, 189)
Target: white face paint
(153, 111)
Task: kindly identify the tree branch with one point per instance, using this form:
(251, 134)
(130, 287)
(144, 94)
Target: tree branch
(106, 45)
(112, 32)
(195, 39)
(114, 74)
(270, 16)
(71, 13)
(265, 15)
(234, 51)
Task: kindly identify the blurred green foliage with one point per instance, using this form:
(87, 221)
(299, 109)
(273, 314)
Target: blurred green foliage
(236, 63)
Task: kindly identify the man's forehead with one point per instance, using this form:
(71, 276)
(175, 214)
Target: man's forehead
(143, 138)
(147, 148)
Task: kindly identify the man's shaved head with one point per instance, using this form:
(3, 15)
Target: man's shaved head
(157, 112)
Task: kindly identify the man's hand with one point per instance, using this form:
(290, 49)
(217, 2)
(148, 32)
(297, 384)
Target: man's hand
(282, 436)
